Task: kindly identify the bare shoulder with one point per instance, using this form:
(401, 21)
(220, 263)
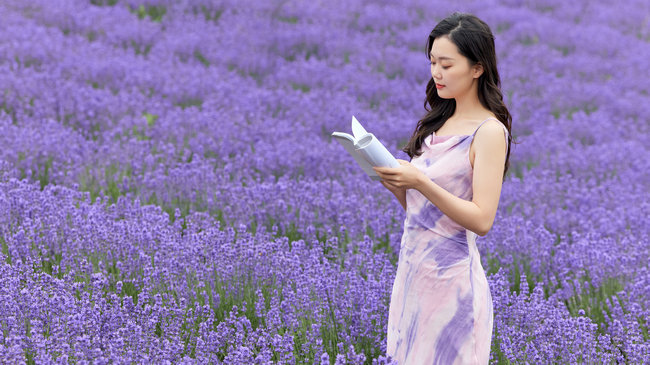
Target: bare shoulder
(491, 137)
(489, 141)
(491, 131)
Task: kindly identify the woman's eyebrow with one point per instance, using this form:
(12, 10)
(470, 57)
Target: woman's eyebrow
(441, 57)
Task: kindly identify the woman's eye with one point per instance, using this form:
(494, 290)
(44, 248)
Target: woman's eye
(443, 67)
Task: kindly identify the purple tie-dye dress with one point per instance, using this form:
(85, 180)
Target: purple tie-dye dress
(441, 307)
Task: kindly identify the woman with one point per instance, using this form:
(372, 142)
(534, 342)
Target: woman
(441, 308)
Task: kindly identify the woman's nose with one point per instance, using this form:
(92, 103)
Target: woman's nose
(435, 72)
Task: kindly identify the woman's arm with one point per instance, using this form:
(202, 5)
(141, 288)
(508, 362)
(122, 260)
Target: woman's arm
(476, 215)
(400, 193)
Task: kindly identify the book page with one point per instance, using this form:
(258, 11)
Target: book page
(375, 152)
(347, 141)
(357, 129)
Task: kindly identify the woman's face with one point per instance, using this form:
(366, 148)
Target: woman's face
(451, 69)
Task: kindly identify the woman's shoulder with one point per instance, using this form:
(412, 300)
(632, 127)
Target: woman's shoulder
(490, 134)
(490, 117)
(492, 122)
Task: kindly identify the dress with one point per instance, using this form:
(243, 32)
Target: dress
(441, 307)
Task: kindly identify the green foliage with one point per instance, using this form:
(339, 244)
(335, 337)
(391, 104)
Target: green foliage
(520, 266)
(5, 249)
(199, 56)
(151, 118)
(299, 86)
(495, 349)
(519, 169)
(383, 243)
(528, 41)
(49, 262)
(8, 109)
(114, 173)
(288, 19)
(142, 49)
(209, 14)
(103, 2)
(593, 300)
(154, 12)
(189, 103)
(44, 173)
(129, 289)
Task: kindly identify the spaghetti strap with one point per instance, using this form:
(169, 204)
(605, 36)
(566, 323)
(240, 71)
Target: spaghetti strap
(479, 126)
(502, 125)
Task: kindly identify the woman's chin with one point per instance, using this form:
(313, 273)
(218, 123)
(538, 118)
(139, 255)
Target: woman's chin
(443, 95)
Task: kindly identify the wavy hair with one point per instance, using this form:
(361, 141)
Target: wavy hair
(475, 41)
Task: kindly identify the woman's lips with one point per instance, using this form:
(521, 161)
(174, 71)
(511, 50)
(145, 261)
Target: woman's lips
(438, 86)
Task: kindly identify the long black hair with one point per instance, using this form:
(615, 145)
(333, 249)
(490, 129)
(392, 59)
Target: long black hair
(475, 41)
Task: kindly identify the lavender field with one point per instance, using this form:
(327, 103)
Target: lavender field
(170, 192)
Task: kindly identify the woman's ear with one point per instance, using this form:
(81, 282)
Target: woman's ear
(478, 70)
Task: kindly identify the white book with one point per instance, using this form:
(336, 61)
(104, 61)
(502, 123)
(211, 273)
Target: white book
(366, 149)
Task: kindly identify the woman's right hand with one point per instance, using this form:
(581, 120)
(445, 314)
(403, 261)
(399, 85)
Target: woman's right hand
(393, 189)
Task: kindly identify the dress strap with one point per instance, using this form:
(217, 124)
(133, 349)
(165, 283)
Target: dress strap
(479, 126)
(504, 129)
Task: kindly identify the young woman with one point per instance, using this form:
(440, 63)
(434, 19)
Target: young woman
(441, 308)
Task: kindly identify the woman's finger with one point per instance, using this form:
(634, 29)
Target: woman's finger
(387, 170)
(388, 185)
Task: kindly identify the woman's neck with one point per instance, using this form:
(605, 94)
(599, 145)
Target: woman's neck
(468, 106)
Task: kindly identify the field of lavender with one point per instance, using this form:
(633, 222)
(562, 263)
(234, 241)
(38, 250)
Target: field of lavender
(169, 191)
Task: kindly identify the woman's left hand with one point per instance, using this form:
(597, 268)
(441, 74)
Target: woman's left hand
(405, 176)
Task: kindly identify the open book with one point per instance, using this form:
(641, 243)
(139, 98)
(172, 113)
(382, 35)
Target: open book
(366, 149)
